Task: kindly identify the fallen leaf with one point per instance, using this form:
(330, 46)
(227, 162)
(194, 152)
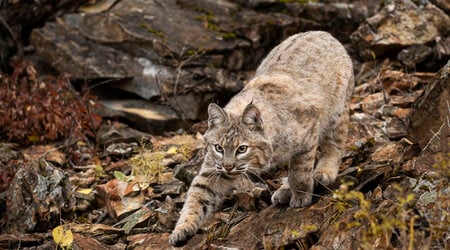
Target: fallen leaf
(62, 236)
(85, 190)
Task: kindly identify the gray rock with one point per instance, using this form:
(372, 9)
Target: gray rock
(39, 196)
(81, 58)
(177, 52)
(414, 54)
(442, 48)
(400, 23)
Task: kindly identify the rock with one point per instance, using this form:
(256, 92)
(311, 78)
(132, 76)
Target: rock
(116, 132)
(277, 227)
(429, 195)
(143, 216)
(399, 24)
(297, 226)
(8, 241)
(120, 198)
(395, 128)
(171, 189)
(186, 172)
(373, 102)
(167, 214)
(46, 193)
(390, 111)
(10, 160)
(187, 60)
(20, 17)
(428, 124)
(341, 17)
(396, 81)
(423, 163)
(391, 153)
(414, 54)
(145, 86)
(84, 179)
(367, 127)
(95, 229)
(80, 57)
(443, 4)
(121, 150)
(146, 116)
(83, 242)
(402, 113)
(442, 48)
(190, 106)
(404, 101)
(85, 198)
(149, 241)
(96, 7)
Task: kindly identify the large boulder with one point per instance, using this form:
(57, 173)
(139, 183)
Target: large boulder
(429, 121)
(183, 54)
(400, 24)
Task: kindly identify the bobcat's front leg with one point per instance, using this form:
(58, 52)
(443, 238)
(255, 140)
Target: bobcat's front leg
(203, 197)
(297, 189)
(300, 178)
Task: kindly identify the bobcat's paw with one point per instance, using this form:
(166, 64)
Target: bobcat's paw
(324, 176)
(302, 200)
(180, 237)
(281, 196)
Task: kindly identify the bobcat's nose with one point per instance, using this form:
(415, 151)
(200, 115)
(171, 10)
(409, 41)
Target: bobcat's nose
(228, 168)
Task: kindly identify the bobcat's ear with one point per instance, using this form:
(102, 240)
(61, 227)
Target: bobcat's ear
(216, 115)
(252, 117)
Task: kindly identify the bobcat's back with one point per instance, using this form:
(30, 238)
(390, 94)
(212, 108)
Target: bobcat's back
(307, 75)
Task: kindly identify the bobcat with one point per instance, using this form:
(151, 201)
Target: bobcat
(294, 111)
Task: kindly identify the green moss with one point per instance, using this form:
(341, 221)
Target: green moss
(151, 30)
(99, 171)
(228, 35)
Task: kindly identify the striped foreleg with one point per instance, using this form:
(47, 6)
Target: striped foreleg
(203, 198)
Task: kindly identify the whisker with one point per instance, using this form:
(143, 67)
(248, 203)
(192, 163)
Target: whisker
(260, 170)
(251, 171)
(247, 177)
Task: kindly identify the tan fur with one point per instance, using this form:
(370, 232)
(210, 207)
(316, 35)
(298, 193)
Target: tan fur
(295, 110)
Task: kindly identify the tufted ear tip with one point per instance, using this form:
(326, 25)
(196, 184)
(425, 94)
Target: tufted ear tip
(216, 115)
(252, 117)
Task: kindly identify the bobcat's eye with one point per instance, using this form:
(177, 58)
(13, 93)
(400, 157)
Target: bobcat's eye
(218, 148)
(242, 149)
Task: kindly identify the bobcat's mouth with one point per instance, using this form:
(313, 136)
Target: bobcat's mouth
(235, 171)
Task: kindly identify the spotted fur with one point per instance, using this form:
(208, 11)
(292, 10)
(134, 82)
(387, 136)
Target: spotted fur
(294, 111)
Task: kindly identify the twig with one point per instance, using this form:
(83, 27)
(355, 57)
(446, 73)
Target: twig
(254, 236)
(448, 108)
(101, 83)
(435, 135)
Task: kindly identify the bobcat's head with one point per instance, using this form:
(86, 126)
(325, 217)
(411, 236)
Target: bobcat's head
(237, 144)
